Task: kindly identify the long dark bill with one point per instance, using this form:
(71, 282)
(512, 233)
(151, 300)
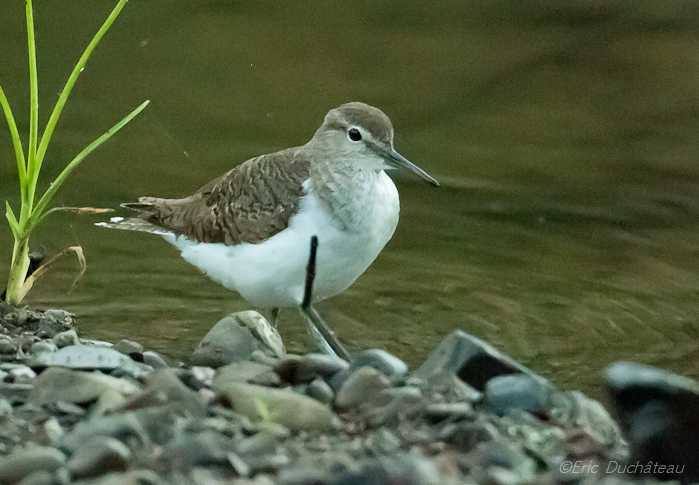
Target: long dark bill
(396, 160)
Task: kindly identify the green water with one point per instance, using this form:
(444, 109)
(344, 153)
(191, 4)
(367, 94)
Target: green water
(565, 135)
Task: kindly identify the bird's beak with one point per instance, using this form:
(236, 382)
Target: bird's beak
(396, 160)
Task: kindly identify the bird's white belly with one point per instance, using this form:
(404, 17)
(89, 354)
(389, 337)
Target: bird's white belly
(272, 274)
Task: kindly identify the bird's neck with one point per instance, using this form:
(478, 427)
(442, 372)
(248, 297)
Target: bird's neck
(344, 189)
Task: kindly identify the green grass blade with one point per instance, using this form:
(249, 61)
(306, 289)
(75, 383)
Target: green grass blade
(48, 132)
(14, 225)
(16, 141)
(34, 87)
(50, 192)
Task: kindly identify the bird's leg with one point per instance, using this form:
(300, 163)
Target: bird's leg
(320, 332)
(273, 314)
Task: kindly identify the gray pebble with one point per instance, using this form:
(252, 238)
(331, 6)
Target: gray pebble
(99, 456)
(7, 346)
(22, 374)
(154, 360)
(25, 462)
(311, 366)
(321, 391)
(64, 339)
(362, 385)
(246, 371)
(388, 364)
(71, 386)
(128, 347)
(235, 337)
(282, 406)
(41, 477)
(43, 346)
(504, 394)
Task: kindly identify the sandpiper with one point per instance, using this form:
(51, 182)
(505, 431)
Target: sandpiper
(250, 229)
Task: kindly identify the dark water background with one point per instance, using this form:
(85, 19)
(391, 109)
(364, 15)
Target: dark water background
(565, 134)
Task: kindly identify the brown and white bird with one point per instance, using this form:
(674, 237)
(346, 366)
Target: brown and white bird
(250, 229)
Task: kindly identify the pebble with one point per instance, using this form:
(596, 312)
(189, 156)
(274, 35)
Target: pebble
(126, 427)
(64, 339)
(362, 385)
(205, 448)
(314, 365)
(285, 407)
(658, 413)
(392, 404)
(471, 359)
(41, 477)
(128, 347)
(61, 384)
(455, 411)
(7, 345)
(234, 338)
(43, 346)
(246, 371)
(519, 392)
(25, 462)
(22, 374)
(165, 381)
(154, 360)
(99, 456)
(321, 391)
(87, 357)
(388, 364)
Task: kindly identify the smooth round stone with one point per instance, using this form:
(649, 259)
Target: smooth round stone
(321, 391)
(22, 374)
(315, 365)
(5, 409)
(127, 427)
(43, 346)
(128, 347)
(235, 337)
(99, 456)
(205, 448)
(7, 346)
(385, 407)
(110, 400)
(165, 381)
(246, 371)
(388, 364)
(41, 477)
(64, 339)
(25, 462)
(53, 430)
(363, 385)
(283, 406)
(61, 384)
(87, 357)
(455, 411)
(261, 358)
(504, 394)
(154, 360)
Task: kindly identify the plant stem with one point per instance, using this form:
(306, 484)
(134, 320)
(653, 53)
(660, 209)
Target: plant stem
(18, 271)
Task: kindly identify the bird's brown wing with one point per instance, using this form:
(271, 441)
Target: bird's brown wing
(250, 203)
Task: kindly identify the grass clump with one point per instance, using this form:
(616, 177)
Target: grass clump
(33, 208)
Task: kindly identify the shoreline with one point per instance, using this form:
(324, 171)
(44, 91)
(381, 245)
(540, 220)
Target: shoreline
(244, 411)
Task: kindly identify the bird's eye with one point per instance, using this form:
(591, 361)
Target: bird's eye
(354, 134)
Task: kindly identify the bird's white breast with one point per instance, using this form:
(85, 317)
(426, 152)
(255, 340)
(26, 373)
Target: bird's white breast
(272, 273)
